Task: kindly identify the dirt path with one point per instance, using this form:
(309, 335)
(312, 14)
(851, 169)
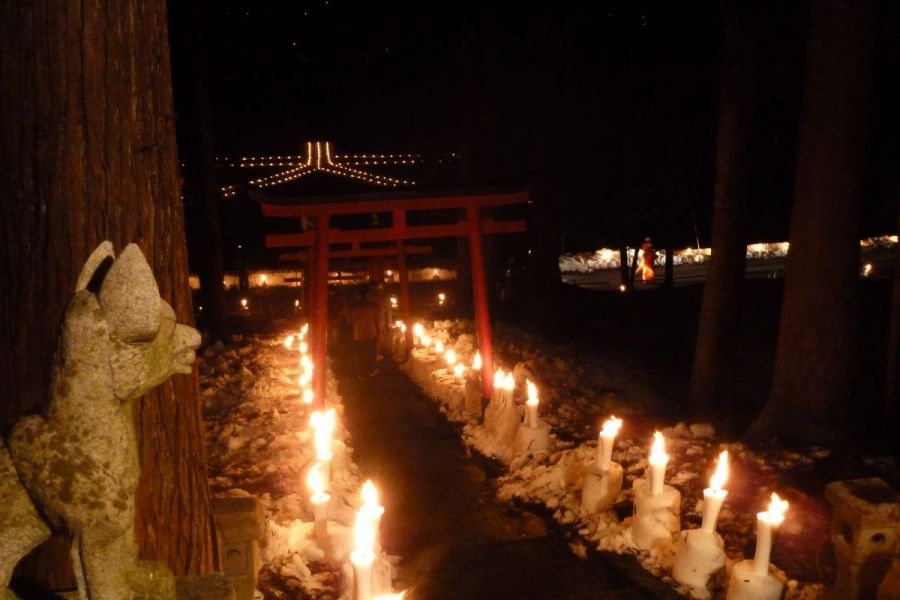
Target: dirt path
(457, 541)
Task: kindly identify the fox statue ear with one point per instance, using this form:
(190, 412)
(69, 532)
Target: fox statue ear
(95, 267)
(130, 298)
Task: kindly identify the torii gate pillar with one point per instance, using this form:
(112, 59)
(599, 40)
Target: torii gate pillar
(479, 291)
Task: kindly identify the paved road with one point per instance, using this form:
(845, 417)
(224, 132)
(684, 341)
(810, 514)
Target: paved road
(457, 541)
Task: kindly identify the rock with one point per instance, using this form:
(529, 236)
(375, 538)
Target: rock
(209, 586)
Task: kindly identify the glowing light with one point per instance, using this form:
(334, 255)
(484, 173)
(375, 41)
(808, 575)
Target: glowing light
(532, 393)
(499, 376)
(867, 270)
(394, 302)
(296, 303)
(509, 383)
(476, 362)
(315, 481)
(459, 370)
(389, 273)
(718, 479)
(288, 342)
(304, 347)
(450, 357)
(439, 347)
(244, 303)
(418, 330)
(425, 340)
(322, 423)
(308, 396)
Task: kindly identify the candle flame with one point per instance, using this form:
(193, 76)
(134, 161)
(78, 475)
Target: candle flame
(450, 357)
(304, 379)
(777, 508)
(717, 481)
(314, 480)
(308, 396)
(425, 340)
(658, 451)
(306, 363)
(398, 324)
(508, 382)
(476, 362)
(418, 330)
(612, 425)
(304, 330)
(459, 370)
(403, 327)
(532, 393)
(369, 493)
(288, 342)
(498, 378)
(304, 347)
(439, 347)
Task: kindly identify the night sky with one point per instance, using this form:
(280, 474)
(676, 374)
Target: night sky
(609, 108)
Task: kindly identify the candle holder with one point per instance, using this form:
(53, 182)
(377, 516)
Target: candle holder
(533, 439)
(362, 573)
(747, 584)
(601, 487)
(657, 517)
(472, 404)
(700, 555)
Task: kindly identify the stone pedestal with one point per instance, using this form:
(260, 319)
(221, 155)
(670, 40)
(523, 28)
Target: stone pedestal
(656, 518)
(864, 533)
(700, 555)
(601, 488)
(745, 584)
(240, 529)
(533, 439)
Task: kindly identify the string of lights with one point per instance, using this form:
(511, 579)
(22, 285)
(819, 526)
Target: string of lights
(318, 158)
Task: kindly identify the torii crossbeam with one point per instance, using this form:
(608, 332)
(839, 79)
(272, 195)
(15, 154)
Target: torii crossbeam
(321, 209)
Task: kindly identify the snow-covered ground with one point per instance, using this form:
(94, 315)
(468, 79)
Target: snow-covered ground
(259, 442)
(608, 258)
(576, 393)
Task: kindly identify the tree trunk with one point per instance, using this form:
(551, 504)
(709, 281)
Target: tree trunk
(715, 356)
(204, 186)
(87, 153)
(812, 388)
(892, 375)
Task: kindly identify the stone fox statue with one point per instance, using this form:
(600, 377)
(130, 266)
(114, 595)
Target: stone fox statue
(75, 468)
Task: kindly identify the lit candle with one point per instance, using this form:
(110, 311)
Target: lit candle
(304, 347)
(498, 379)
(363, 556)
(370, 507)
(532, 404)
(765, 523)
(714, 495)
(439, 347)
(418, 330)
(319, 498)
(288, 342)
(658, 461)
(425, 340)
(606, 441)
(308, 396)
(306, 363)
(476, 362)
(304, 330)
(459, 370)
(509, 384)
(450, 357)
(323, 427)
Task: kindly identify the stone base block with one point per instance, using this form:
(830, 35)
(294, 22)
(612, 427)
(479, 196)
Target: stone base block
(601, 488)
(209, 586)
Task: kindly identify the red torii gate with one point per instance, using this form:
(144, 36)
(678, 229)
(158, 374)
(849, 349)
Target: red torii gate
(473, 226)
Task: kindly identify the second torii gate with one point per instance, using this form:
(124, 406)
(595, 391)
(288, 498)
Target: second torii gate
(473, 226)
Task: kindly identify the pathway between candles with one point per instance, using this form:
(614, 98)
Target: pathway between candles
(455, 538)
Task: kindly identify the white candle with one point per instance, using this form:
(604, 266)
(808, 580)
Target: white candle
(532, 404)
(765, 523)
(439, 347)
(323, 423)
(476, 362)
(425, 341)
(370, 507)
(658, 461)
(450, 357)
(606, 441)
(288, 342)
(304, 347)
(363, 556)
(319, 498)
(308, 395)
(714, 495)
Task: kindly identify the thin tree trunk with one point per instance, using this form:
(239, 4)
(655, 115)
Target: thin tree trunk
(715, 356)
(892, 375)
(812, 388)
(87, 153)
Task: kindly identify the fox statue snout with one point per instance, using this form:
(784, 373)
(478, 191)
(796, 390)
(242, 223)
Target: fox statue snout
(78, 462)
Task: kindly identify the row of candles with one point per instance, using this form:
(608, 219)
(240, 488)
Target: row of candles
(713, 496)
(318, 481)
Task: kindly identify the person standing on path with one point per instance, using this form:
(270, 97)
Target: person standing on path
(364, 319)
